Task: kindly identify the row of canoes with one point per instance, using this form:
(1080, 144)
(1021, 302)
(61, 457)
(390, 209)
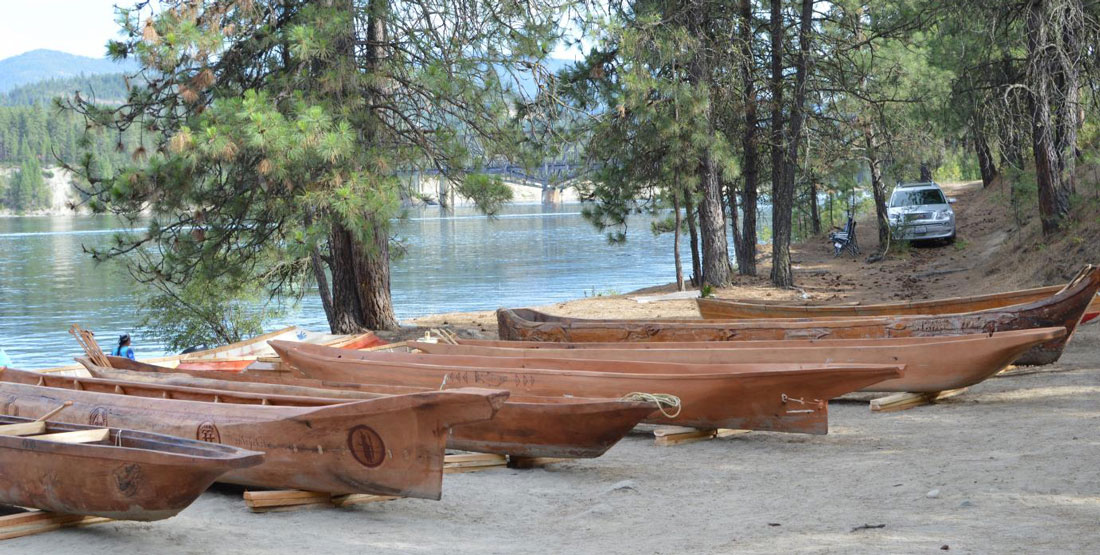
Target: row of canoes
(342, 420)
(1065, 308)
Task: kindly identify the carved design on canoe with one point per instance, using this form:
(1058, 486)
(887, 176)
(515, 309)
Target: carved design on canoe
(366, 446)
(208, 432)
(128, 478)
(98, 417)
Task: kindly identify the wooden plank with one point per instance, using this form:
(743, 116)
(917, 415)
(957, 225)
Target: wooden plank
(23, 429)
(359, 499)
(679, 435)
(82, 436)
(471, 462)
(292, 500)
(905, 401)
(36, 522)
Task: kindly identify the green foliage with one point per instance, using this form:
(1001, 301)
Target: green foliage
(107, 88)
(706, 291)
(203, 312)
(27, 190)
(488, 191)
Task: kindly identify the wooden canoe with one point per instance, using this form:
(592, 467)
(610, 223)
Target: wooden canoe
(128, 475)
(1063, 309)
(931, 364)
(525, 426)
(727, 309)
(234, 357)
(792, 400)
(386, 446)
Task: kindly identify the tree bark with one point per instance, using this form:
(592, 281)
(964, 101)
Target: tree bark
(347, 313)
(746, 249)
(712, 218)
(676, 236)
(731, 202)
(986, 164)
(781, 206)
(1053, 189)
(693, 237)
(815, 214)
(925, 173)
(322, 285)
(878, 189)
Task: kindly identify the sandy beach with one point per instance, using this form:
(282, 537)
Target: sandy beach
(1008, 467)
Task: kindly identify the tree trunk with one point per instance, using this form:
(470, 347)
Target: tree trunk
(322, 286)
(815, 215)
(985, 157)
(712, 218)
(925, 173)
(878, 188)
(693, 237)
(676, 236)
(738, 241)
(347, 313)
(746, 249)
(781, 207)
(1053, 190)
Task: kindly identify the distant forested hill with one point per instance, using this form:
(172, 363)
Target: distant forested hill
(39, 65)
(107, 88)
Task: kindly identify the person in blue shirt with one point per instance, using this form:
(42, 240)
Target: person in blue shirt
(123, 349)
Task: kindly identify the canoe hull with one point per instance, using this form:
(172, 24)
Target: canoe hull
(335, 448)
(782, 401)
(152, 478)
(550, 427)
(938, 365)
(1064, 309)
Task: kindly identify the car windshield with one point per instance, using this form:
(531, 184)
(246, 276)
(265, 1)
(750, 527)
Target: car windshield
(916, 198)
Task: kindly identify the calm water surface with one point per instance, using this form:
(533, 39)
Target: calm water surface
(528, 255)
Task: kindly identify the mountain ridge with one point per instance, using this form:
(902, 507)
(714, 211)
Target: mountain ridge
(41, 64)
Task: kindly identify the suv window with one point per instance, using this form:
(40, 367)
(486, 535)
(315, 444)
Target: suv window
(916, 198)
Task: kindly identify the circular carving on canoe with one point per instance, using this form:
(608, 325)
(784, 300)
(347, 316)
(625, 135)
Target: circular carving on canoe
(366, 446)
(98, 417)
(128, 478)
(208, 432)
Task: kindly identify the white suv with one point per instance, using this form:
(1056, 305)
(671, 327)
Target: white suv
(921, 211)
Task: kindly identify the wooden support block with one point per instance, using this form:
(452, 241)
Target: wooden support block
(533, 462)
(36, 522)
(472, 462)
(904, 401)
(359, 499)
(293, 500)
(82, 436)
(23, 429)
(266, 501)
(678, 435)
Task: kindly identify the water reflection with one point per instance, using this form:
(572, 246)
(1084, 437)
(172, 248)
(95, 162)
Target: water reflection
(463, 261)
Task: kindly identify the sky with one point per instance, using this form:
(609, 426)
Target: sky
(75, 26)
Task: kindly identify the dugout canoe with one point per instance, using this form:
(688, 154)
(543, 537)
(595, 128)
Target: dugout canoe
(931, 363)
(791, 400)
(728, 309)
(127, 475)
(1063, 309)
(386, 446)
(525, 426)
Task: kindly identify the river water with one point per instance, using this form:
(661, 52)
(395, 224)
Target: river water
(527, 255)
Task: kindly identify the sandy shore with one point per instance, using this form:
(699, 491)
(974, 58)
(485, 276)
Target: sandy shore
(1011, 466)
(1014, 461)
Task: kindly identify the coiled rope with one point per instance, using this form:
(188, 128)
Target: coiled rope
(662, 400)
